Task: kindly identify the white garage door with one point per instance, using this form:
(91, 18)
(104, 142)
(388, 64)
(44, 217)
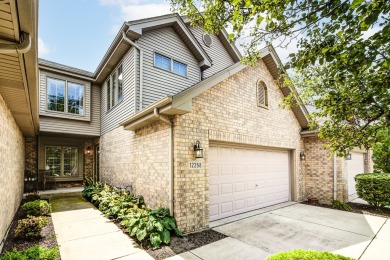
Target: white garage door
(355, 166)
(246, 179)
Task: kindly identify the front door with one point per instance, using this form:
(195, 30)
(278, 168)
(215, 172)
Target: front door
(96, 160)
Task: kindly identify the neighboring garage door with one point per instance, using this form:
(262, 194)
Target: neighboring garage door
(355, 166)
(244, 179)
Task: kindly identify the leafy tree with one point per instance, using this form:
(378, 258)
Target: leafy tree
(382, 152)
(342, 64)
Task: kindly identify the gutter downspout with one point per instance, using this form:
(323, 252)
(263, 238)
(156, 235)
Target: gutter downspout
(18, 48)
(167, 120)
(141, 70)
(334, 177)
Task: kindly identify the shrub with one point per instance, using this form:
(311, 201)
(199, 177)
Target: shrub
(37, 208)
(141, 222)
(153, 224)
(35, 252)
(337, 204)
(374, 188)
(32, 196)
(31, 227)
(307, 255)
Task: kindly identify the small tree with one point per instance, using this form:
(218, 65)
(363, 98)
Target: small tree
(382, 152)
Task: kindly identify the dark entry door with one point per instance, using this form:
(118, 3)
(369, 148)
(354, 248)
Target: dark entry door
(96, 159)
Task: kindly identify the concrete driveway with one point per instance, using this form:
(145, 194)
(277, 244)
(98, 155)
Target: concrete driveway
(287, 226)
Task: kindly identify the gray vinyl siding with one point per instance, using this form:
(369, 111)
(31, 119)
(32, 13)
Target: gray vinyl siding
(217, 52)
(158, 83)
(125, 108)
(70, 126)
(42, 97)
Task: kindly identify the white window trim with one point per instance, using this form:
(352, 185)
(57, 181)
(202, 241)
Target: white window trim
(62, 160)
(65, 97)
(265, 88)
(109, 88)
(171, 65)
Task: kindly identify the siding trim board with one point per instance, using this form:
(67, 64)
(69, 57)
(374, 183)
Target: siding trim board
(139, 27)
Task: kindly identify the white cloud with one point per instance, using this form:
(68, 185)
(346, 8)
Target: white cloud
(135, 9)
(43, 48)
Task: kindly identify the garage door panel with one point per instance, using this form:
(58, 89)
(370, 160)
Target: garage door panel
(227, 207)
(213, 170)
(214, 190)
(226, 189)
(239, 169)
(226, 170)
(355, 166)
(239, 187)
(214, 210)
(246, 179)
(239, 204)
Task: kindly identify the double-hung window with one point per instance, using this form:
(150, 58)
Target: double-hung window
(169, 64)
(114, 87)
(65, 96)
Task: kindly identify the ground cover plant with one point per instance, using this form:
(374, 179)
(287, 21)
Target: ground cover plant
(374, 188)
(307, 255)
(35, 252)
(337, 204)
(37, 208)
(132, 213)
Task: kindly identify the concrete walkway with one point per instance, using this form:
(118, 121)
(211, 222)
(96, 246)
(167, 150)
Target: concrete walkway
(84, 233)
(287, 226)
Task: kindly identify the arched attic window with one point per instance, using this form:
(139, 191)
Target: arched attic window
(262, 94)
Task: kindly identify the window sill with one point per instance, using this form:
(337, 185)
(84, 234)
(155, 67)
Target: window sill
(265, 107)
(64, 115)
(186, 77)
(70, 178)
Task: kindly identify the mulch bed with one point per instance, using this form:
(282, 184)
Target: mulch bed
(178, 245)
(187, 242)
(361, 209)
(48, 238)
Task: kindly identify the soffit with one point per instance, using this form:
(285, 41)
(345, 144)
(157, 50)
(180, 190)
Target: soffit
(18, 77)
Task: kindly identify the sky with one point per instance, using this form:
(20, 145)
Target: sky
(77, 33)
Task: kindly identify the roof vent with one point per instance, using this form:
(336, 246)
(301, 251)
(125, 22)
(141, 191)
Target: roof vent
(208, 41)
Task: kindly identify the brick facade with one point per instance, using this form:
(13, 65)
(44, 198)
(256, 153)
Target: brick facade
(12, 163)
(138, 159)
(319, 171)
(228, 112)
(32, 155)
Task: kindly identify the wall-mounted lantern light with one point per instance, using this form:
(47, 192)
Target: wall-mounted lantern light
(198, 150)
(348, 156)
(302, 156)
(373, 157)
(47, 167)
(88, 151)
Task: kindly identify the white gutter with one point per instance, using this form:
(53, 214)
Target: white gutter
(334, 177)
(141, 70)
(18, 48)
(166, 119)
